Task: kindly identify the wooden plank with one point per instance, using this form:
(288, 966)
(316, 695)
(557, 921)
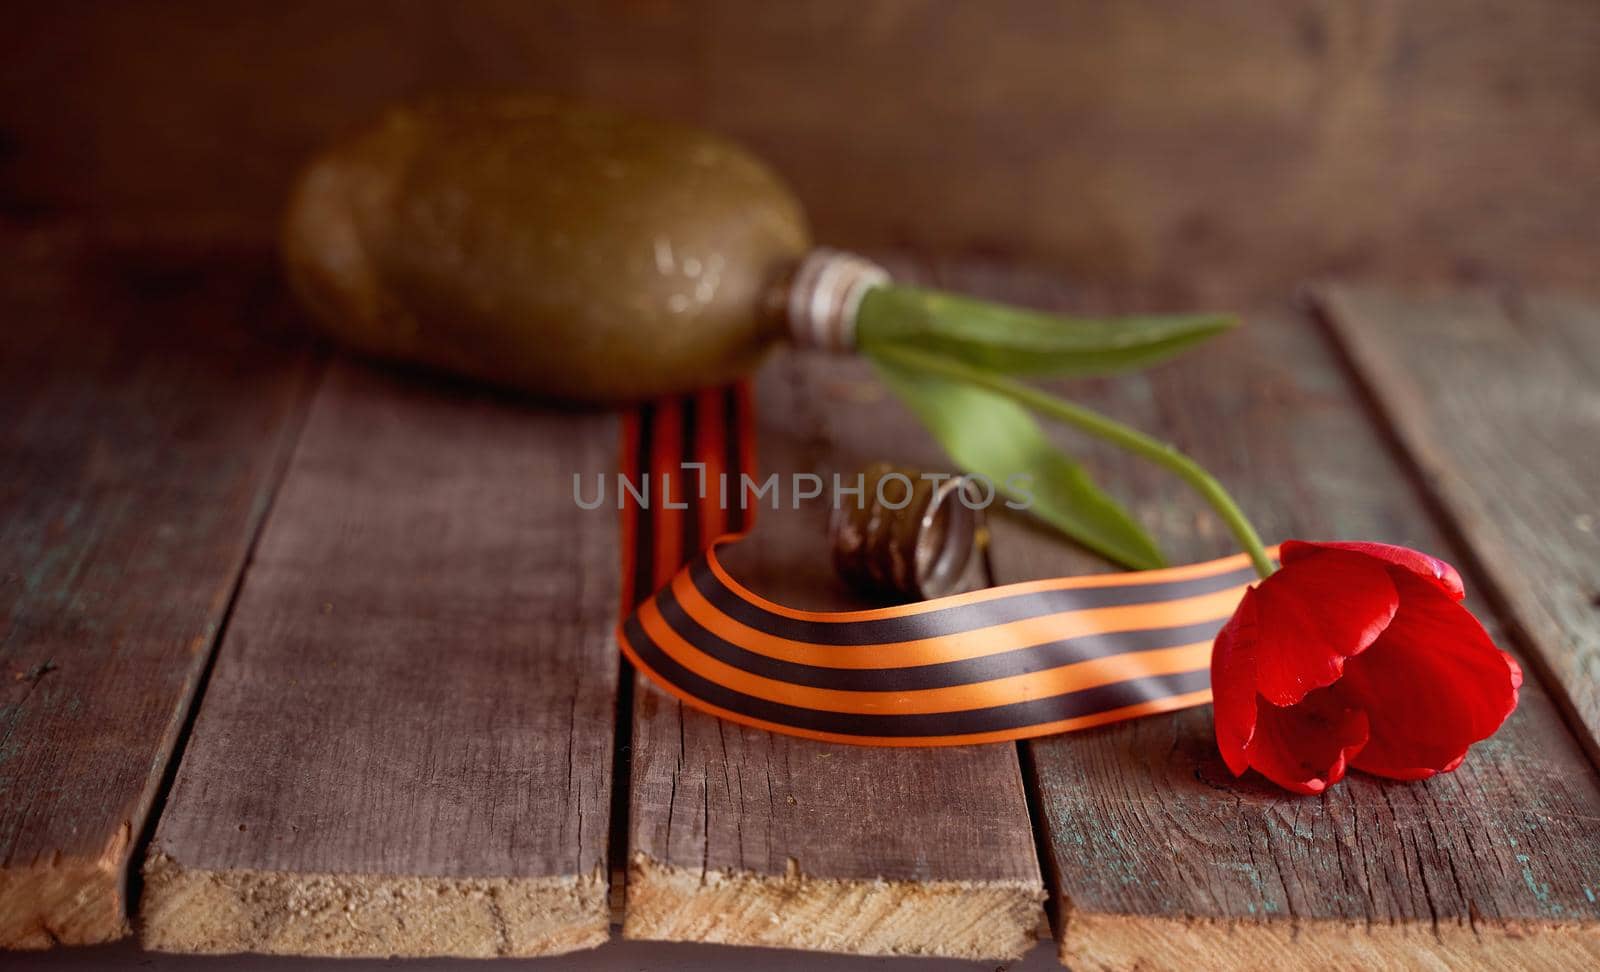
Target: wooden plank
(1231, 145)
(405, 746)
(1160, 859)
(745, 837)
(144, 417)
(1498, 403)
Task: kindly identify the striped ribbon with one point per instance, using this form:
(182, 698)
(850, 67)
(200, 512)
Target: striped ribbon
(1002, 663)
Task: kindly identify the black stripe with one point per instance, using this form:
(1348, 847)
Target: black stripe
(644, 533)
(732, 461)
(686, 483)
(1020, 661)
(953, 620)
(1000, 718)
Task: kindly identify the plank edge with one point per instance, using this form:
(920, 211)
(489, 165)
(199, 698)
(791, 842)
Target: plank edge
(996, 920)
(1120, 941)
(67, 900)
(199, 911)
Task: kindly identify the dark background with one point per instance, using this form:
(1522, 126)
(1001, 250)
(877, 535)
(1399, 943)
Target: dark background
(1211, 151)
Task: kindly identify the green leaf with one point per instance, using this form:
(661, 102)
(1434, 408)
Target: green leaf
(988, 434)
(1014, 340)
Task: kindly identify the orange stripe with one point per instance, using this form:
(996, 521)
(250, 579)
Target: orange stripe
(1164, 575)
(1168, 704)
(976, 643)
(1010, 689)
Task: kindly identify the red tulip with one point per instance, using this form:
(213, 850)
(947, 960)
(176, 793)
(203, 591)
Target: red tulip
(1356, 655)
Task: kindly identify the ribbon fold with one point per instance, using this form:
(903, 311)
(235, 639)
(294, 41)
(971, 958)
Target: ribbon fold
(1002, 663)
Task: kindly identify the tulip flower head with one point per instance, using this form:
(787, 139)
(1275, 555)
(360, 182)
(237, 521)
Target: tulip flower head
(1356, 655)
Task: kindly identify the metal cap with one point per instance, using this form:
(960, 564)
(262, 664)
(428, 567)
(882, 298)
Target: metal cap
(824, 295)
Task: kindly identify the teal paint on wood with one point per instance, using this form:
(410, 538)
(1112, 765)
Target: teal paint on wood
(145, 409)
(1497, 400)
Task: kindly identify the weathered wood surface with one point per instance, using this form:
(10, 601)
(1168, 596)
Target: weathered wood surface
(1497, 401)
(1232, 145)
(145, 411)
(741, 836)
(405, 745)
(1160, 858)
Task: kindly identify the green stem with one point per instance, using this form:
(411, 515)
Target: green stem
(1097, 425)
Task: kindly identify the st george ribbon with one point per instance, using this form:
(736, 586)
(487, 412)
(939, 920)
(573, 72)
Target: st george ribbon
(1003, 663)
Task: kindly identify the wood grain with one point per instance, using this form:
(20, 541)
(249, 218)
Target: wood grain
(1231, 147)
(1497, 400)
(145, 411)
(1159, 857)
(745, 837)
(405, 746)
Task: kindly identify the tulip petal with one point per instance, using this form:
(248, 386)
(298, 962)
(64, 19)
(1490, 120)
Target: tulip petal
(1312, 615)
(1306, 747)
(1428, 567)
(1432, 685)
(1233, 684)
